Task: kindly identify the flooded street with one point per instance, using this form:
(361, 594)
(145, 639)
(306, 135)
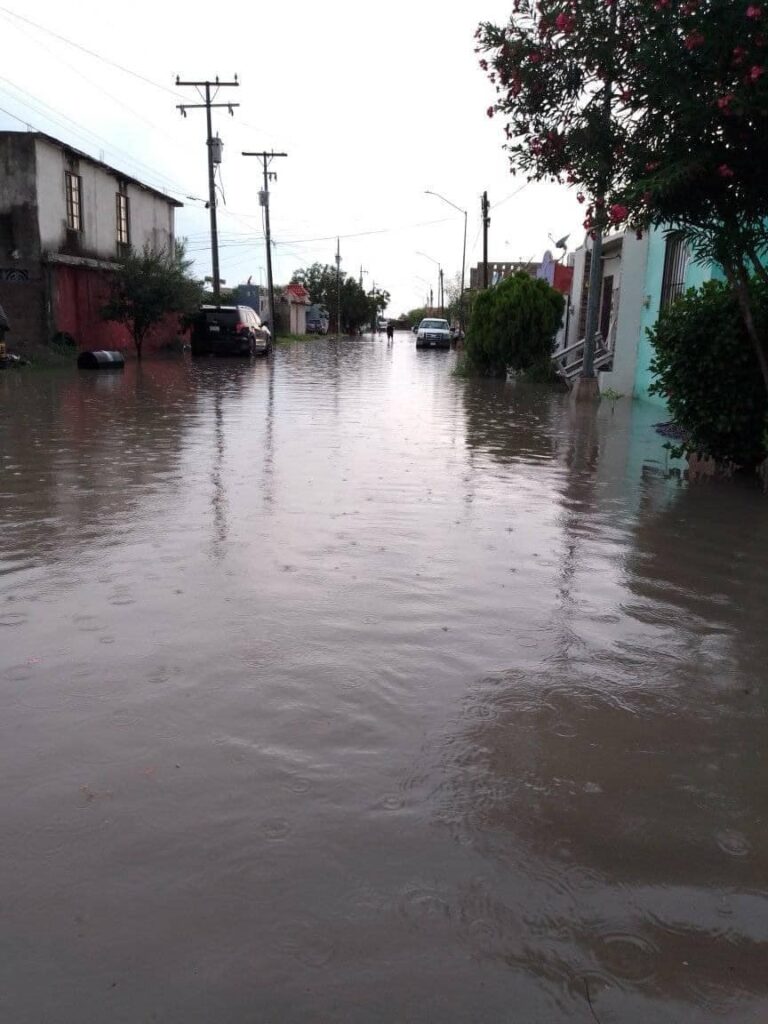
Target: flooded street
(336, 688)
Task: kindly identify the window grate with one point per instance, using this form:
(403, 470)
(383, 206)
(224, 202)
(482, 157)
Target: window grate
(73, 186)
(123, 233)
(675, 265)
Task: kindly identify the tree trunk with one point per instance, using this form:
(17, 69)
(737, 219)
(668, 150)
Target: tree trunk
(138, 342)
(738, 279)
(760, 270)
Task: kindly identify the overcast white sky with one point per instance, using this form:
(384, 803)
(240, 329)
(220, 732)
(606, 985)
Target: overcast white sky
(374, 104)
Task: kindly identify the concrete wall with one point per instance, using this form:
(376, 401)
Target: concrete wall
(630, 281)
(151, 218)
(579, 260)
(696, 274)
(22, 278)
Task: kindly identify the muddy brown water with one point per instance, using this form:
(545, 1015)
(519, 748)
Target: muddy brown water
(335, 688)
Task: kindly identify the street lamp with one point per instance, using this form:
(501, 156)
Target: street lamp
(429, 192)
(439, 277)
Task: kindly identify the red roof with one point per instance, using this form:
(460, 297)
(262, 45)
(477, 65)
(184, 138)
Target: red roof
(297, 292)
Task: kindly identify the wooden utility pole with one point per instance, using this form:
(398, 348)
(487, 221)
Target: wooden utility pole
(208, 104)
(266, 159)
(486, 224)
(338, 288)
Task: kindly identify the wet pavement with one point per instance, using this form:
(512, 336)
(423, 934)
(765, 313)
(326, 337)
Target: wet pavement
(336, 688)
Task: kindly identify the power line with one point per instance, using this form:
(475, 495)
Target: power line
(108, 61)
(91, 53)
(90, 138)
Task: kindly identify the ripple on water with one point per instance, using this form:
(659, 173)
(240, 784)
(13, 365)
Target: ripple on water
(11, 619)
(627, 956)
(276, 829)
(309, 943)
(422, 905)
(735, 844)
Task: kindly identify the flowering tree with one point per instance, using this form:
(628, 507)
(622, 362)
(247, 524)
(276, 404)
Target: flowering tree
(696, 154)
(559, 67)
(657, 110)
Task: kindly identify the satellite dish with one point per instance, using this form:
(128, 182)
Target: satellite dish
(562, 243)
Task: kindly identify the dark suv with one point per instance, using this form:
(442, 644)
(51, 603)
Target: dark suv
(229, 331)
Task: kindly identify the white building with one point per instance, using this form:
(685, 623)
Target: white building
(65, 221)
(622, 296)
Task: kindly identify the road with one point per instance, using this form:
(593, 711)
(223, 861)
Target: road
(337, 688)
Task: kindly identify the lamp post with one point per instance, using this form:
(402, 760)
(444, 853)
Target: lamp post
(429, 192)
(439, 278)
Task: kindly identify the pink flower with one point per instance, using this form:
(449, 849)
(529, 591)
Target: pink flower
(725, 171)
(739, 54)
(652, 165)
(754, 12)
(579, 197)
(565, 22)
(724, 103)
(755, 73)
(618, 212)
(693, 40)
(489, 111)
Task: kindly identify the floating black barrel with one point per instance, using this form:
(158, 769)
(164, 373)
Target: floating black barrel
(101, 360)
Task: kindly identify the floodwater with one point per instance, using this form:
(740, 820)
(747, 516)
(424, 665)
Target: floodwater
(336, 688)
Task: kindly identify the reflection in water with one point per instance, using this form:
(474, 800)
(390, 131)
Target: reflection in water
(464, 718)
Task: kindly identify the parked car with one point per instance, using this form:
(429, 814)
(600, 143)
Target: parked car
(229, 331)
(433, 333)
(317, 320)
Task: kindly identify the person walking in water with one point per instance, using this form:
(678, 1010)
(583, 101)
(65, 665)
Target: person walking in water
(390, 331)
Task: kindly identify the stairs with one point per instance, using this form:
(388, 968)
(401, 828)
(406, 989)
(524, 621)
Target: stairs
(568, 362)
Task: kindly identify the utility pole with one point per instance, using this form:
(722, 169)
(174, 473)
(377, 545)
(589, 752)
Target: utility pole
(486, 224)
(361, 274)
(442, 294)
(209, 105)
(338, 289)
(266, 160)
(375, 320)
(586, 388)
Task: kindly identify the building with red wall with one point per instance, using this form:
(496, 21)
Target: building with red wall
(65, 221)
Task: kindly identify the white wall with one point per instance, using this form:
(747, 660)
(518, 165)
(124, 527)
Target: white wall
(634, 256)
(51, 202)
(151, 218)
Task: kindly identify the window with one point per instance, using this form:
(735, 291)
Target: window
(73, 185)
(675, 265)
(123, 233)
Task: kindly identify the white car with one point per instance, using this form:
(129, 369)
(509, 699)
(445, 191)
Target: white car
(433, 334)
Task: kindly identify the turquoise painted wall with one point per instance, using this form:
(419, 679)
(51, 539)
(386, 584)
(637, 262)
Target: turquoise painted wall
(696, 275)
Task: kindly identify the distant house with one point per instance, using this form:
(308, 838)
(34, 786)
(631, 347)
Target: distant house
(255, 296)
(294, 301)
(65, 221)
(498, 271)
(560, 276)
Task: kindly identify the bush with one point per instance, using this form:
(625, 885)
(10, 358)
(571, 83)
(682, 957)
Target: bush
(707, 370)
(513, 327)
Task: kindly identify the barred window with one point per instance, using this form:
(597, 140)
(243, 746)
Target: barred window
(675, 266)
(73, 186)
(123, 233)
